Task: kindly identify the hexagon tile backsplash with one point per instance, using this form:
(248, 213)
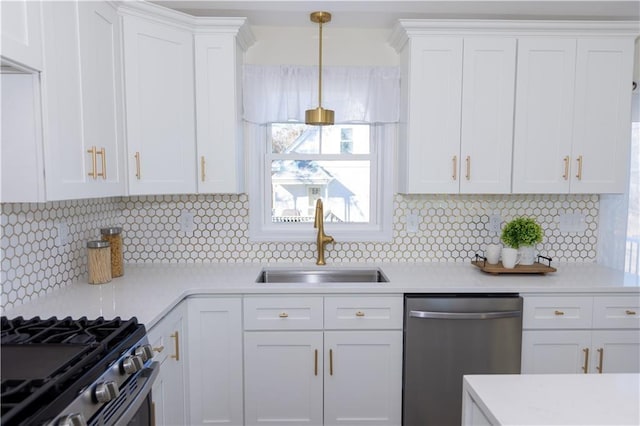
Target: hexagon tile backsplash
(450, 228)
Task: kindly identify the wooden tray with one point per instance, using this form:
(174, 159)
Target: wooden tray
(536, 268)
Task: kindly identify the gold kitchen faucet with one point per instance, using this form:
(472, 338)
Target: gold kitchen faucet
(322, 238)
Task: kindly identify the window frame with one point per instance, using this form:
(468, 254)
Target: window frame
(379, 228)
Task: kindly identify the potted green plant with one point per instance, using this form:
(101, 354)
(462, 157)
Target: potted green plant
(523, 233)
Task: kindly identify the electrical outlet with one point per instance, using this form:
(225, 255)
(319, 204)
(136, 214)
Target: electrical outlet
(572, 222)
(187, 224)
(494, 222)
(412, 223)
(63, 234)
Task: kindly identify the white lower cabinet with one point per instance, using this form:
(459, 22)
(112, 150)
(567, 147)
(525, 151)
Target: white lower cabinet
(341, 365)
(581, 334)
(215, 360)
(168, 340)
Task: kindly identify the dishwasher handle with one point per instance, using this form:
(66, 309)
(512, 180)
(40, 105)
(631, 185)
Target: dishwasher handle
(465, 315)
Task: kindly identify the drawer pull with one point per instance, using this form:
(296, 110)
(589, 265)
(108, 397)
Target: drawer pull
(283, 315)
(628, 312)
(559, 313)
(315, 363)
(331, 362)
(359, 314)
(158, 349)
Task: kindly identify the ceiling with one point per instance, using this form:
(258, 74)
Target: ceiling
(384, 13)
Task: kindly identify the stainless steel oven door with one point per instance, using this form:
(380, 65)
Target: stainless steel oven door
(133, 405)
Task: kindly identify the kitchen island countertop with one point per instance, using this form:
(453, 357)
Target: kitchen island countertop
(553, 399)
(148, 291)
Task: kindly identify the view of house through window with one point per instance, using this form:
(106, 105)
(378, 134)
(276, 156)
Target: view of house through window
(334, 163)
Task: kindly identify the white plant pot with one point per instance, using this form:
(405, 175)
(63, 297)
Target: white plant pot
(527, 255)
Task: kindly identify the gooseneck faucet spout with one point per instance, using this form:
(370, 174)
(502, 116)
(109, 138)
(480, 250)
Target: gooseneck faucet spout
(322, 239)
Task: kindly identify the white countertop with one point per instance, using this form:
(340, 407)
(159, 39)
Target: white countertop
(148, 291)
(557, 399)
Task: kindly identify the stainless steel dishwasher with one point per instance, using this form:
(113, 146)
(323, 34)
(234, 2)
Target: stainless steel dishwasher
(447, 336)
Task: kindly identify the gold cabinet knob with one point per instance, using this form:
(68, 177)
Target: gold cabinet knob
(283, 315)
(359, 314)
(559, 313)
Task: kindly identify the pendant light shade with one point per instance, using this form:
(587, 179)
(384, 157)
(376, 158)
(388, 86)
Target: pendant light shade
(319, 116)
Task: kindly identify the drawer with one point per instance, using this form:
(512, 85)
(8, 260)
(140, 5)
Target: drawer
(283, 313)
(557, 312)
(616, 312)
(363, 312)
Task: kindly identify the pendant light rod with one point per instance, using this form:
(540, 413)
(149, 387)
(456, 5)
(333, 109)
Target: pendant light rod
(319, 116)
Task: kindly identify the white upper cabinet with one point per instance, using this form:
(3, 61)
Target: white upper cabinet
(431, 91)
(487, 114)
(218, 73)
(544, 113)
(160, 109)
(457, 114)
(601, 119)
(22, 32)
(572, 127)
(82, 100)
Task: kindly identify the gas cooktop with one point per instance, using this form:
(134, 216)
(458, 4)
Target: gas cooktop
(46, 363)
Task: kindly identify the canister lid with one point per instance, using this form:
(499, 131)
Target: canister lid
(114, 230)
(98, 244)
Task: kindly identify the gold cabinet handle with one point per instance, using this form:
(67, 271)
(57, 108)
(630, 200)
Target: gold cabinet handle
(153, 414)
(202, 168)
(359, 314)
(579, 174)
(176, 336)
(93, 173)
(158, 349)
(331, 362)
(315, 362)
(137, 157)
(102, 154)
(283, 315)
(558, 313)
(468, 160)
(600, 359)
(629, 312)
(585, 367)
(454, 160)
(566, 168)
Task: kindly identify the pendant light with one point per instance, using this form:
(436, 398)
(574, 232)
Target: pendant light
(319, 116)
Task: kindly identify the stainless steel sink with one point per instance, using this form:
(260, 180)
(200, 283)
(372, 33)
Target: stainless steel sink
(339, 275)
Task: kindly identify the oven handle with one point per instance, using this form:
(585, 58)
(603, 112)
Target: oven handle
(149, 374)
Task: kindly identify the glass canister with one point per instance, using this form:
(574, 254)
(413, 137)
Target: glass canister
(114, 236)
(99, 261)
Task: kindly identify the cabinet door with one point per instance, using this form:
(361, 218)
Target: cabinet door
(283, 377)
(601, 126)
(487, 114)
(100, 60)
(615, 351)
(168, 339)
(22, 32)
(215, 360)
(429, 152)
(218, 67)
(159, 92)
(543, 115)
(82, 100)
(363, 377)
(557, 351)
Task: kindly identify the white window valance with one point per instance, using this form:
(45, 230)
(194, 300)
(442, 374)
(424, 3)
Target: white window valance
(274, 94)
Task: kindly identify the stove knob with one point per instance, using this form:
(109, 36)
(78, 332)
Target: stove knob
(145, 352)
(131, 364)
(105, 392)
(76, 419)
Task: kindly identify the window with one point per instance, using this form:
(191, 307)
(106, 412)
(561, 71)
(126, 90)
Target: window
(342, 164)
